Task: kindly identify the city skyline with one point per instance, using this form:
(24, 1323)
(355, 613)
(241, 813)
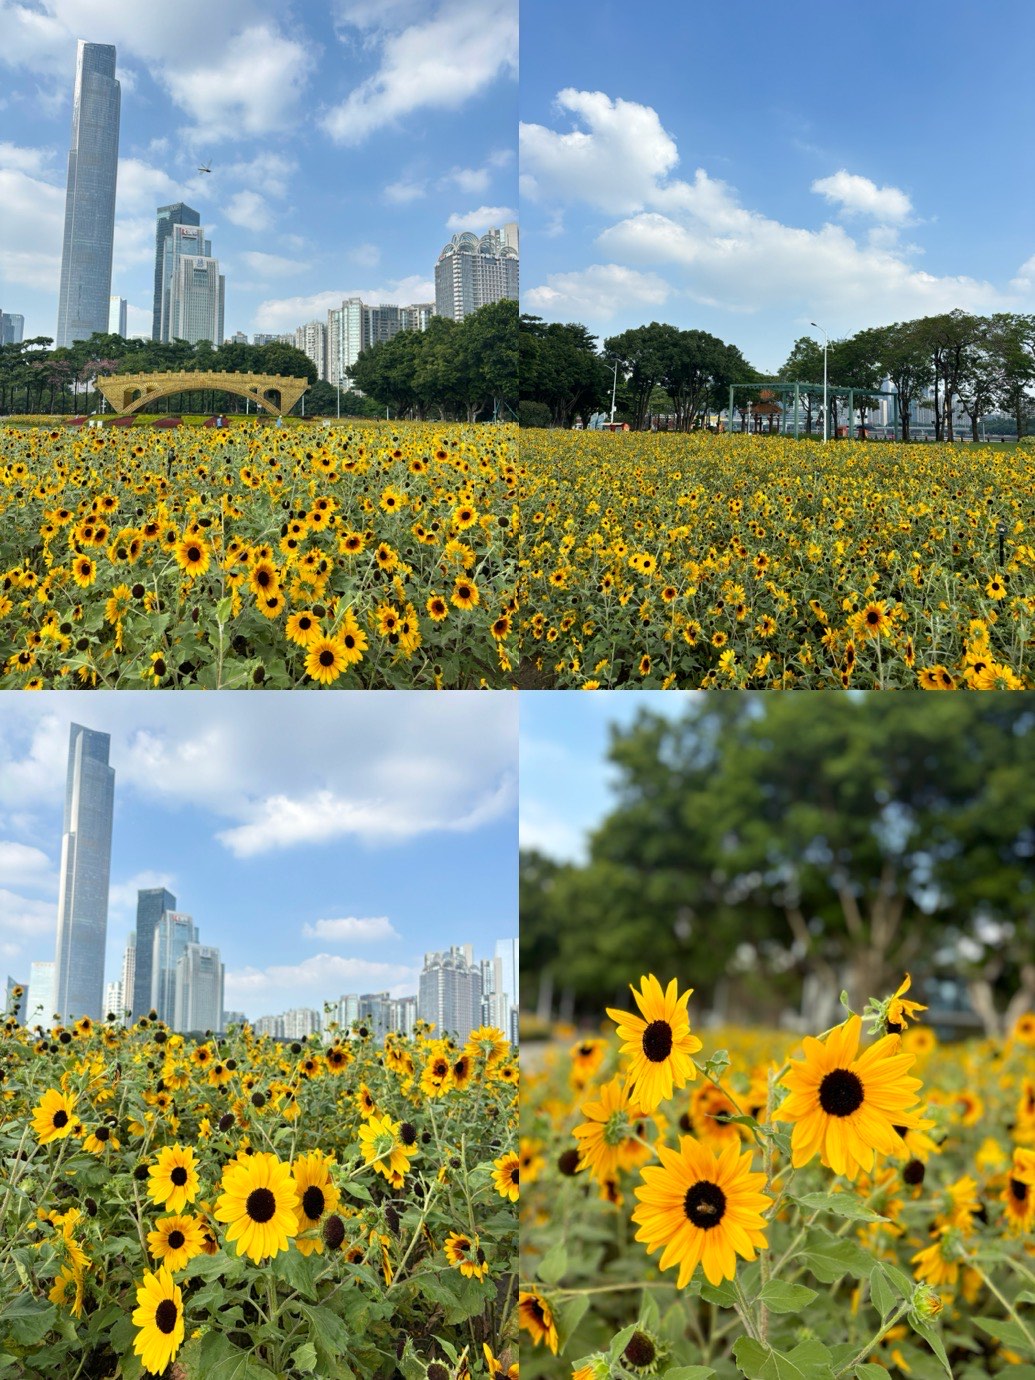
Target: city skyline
(321, 851)
(747, 187)
(346, 144)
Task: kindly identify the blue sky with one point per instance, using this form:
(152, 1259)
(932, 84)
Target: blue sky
(348, 140)
(566, 781)
(276, 820)
(744, 170)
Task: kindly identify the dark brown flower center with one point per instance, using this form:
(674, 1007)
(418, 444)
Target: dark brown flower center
(313, 1202)
(179, 1176)
(657, 1041)
(176, 1240)
(840, 1093)
(640, 1351)
(261, 1205)
(1019, 1190)
(60, 1119)
(705, 1204)
(166, 1315)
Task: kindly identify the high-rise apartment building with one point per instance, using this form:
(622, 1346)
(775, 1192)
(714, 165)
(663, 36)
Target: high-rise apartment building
(450, 992)
(199, 990)
(93, 160)
(39, 1008)
(196, 300)
(117, 313)
(83, 882)
(346, 337)
(168, 217)
(311, 339)
(173, 933)
(129, 972)
(473, 272)
(507, 954)
(113, 1000)
(151, 906)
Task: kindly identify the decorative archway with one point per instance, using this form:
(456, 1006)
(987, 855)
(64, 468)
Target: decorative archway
(131, 392)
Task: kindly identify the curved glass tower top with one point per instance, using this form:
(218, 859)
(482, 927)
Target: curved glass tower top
(90, 197)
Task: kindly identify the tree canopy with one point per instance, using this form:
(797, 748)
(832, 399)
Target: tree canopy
(838, 840)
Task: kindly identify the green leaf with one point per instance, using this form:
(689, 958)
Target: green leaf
(297, 1272)
(304, 1359)
(724, 1294)
(328, 1328)
(28, 1319)
(934, 1342)
(650, 1313)
(881, 1292)
(554, 1264)
(780, 1297)
(687, 1373)
(568, 1317)
(758, 1361)
(841, 1205)
(1005, 1330)
(829, 1258)
(219, 1359)
(868, 1370)
(620, 1341)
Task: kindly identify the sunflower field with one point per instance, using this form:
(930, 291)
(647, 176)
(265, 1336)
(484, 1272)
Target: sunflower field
(237, 1208)
(767, 1207)
(760, 562)
(346, 556)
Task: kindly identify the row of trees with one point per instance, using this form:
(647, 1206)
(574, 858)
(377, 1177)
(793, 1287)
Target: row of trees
(466, 369)
(790, 847)
(979, 363)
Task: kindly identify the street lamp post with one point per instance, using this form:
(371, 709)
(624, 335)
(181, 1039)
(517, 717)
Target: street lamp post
(826, 408)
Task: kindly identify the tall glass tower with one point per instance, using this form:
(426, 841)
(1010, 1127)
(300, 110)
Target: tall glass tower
(83, 886)
(90, 197)
(168, 216)
(151, 906)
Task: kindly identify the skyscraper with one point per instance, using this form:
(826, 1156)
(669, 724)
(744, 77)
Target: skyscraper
(151, 906)
(168, 216)
(93, 160)
(117, 311)
(199, 989)
(172, 935)
(450, 993)
(83, 884)
(192, 288)
(40, 1007)
(12, 328)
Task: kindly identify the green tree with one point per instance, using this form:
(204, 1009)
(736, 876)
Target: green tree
(843, 839)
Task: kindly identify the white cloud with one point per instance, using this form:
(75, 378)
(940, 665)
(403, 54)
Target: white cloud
(33, 216)
(402, 192)
(352, 929)
(615, 165)
(250, 210)
(600, 292)
(481, 218)
(24, 159)
(139, 320)
(134, 244)
(272, 265)
(284, 313)
(21, 865)
(858, 195)
(281, 821)
(366, 255)
(315, 977)
(271, 171)
(142, 187)
(1025, 279)
(438, 62)
(470, 180)
(712, 249)
(23, 916)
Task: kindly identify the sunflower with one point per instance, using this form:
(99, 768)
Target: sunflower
(1019, 1191)
(159, 1315)
(535, 1317)
(192, 556)
(101, 1139)
(437, 608)
(609, 1125)
(260, 1203)
(660, 1046)
(84, 572)
(176, 1240)
(317, 1196)
(845, 1105)
(302, 628)
(174, 1178)
(54, 1117)
(899, 1011)
(704, 1208)
(384, 1148)
(465, 1254)
(507, 1176)
(325, 660)
(465, 594)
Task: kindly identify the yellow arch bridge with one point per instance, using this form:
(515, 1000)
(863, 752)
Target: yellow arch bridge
(133, 392)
